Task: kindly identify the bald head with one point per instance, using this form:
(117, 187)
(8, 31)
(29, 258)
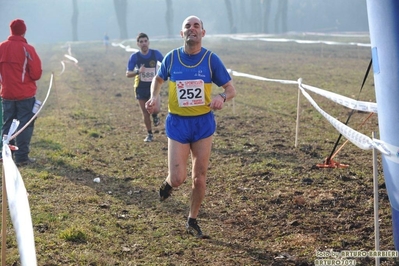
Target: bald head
(192, 20)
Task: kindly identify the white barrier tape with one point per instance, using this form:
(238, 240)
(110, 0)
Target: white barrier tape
(359, 139)
(345, 101)
(238, 74)
(118, 45)
(238, 38)
(126, 48)
(342, 100)
(71, 58)
(19, 206)
(132, 50)
(121, 44)
(393, 150)
(13, 128)
(349, 34)
(63, 67)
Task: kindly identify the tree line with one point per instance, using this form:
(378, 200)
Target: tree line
(260, 16)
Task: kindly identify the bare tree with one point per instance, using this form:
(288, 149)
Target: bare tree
(121, 11)
(74, 20)
(266, 14)
(242, 15)
(232, 26)
(255, 20)
(169, 17)
(281, 16)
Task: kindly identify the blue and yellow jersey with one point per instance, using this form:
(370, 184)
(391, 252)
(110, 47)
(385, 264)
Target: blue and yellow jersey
(149, 61)
(190, 80)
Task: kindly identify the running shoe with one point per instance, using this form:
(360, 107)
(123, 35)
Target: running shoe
(149, 138)
(29, 161)
(165, 191)
(156, 120)
(194, 229)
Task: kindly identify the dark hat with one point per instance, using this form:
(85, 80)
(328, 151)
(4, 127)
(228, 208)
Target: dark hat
(17, 27)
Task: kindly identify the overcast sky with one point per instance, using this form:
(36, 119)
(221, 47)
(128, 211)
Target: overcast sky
(50, 20)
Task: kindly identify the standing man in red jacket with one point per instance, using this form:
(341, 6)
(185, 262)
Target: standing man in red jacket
(20, 68)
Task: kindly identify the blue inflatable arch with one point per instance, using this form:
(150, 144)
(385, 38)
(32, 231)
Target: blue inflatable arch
(383, 17)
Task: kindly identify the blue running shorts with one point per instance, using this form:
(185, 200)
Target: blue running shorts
(189, 129)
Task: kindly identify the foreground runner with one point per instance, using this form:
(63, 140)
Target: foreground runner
(190, 123)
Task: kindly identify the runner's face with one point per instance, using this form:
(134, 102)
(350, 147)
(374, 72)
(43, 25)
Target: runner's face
(192, 30)
(143, 44)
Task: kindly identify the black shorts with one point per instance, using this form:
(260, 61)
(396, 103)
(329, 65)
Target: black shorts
(143, 93)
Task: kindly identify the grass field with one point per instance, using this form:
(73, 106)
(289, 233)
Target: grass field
(266, 202)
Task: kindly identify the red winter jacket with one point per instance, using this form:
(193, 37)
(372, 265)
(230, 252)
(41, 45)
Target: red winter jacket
(20, 67)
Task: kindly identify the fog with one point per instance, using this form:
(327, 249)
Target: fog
(49, 21)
